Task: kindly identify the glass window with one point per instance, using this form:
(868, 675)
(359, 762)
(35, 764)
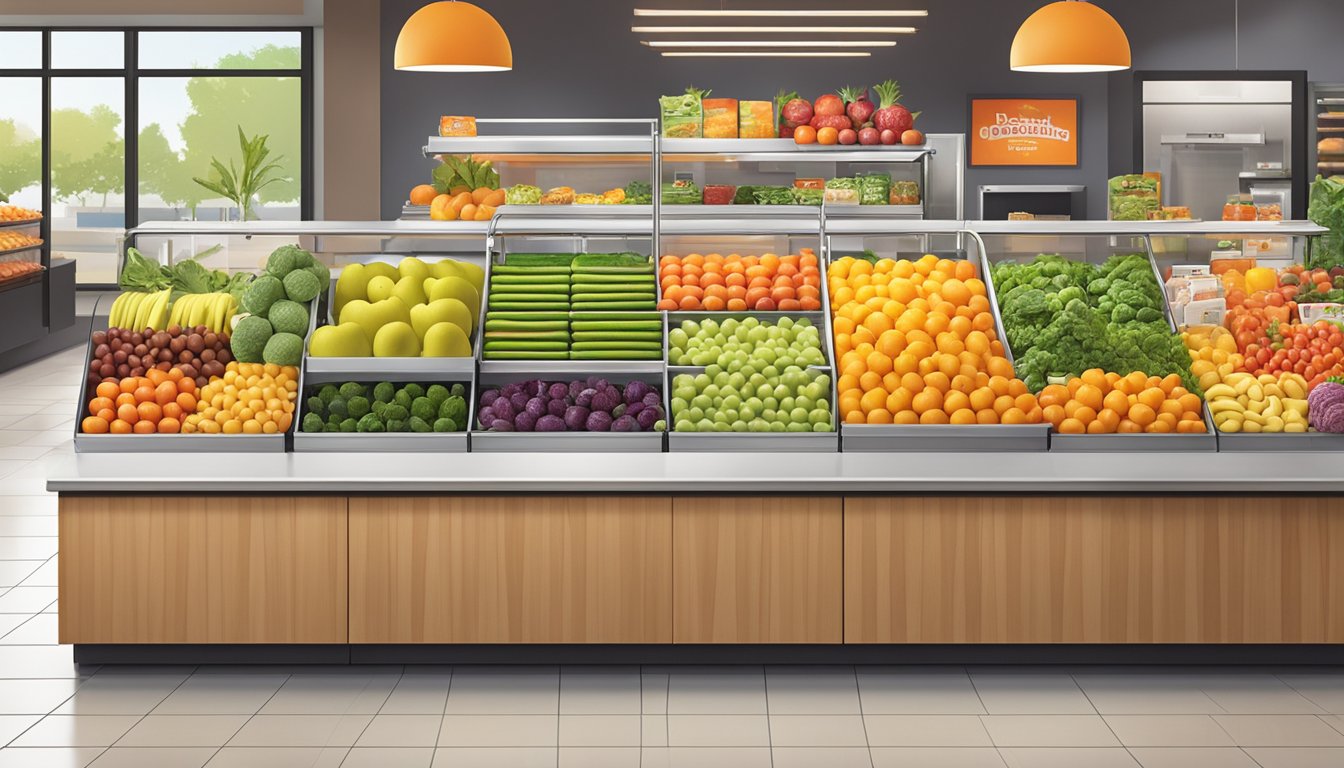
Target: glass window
(20, 50)
(21, 141)
(185, 123)
(88, 163)
(88, 50)
(220, 50)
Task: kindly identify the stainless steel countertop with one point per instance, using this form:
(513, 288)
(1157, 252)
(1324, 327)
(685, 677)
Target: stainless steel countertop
(942, 473)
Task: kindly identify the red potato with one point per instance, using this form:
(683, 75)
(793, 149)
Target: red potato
(870, 136)
(889, 137)
(797, 111)
(849, 136)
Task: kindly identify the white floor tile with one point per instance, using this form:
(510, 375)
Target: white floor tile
(598, 757)
(1297, 757)
(401, 731)
(1324, 690)
(155, 757)
(936, 757)
(331, 695)
(1192, 757)
(817, 731)
(807, 692)
(13, 725)
(34, 697)
(653, 693)
(705, 757)
(27, 547)
(183, 731)
(499, 731)
(38, 630)
(588, 691)
(221, 695)
(1038, 757)
(811, 757)
(477, 757)
(76, 731)
(48, 757)
(718, 731)
(599, 730)
(1255, 695)
(13, 572)
(278, 757)
(28, 525)
(1049, 731)
(46, 575)
(24, 662)
(301, 731)
(653, 731)
(1146, 695)
(121, 694)
(418, 694)
(385, 757)
(715, 693)
(1279, 731)
(36, 504)
(1014, 694)
(504, 693)
(926, 731)
(1168, 731)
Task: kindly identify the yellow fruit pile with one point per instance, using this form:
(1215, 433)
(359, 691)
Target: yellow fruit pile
(1213, 354)
(15, 213)
(250, 399)
(11, 240)
(1243, 402)
(916, 344)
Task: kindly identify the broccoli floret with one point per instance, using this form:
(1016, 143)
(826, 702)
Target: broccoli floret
(454, 408)
(418, 424)
(1123, 313)
(396, 425)
(332, 427)
(338, 407)
(383, 391)
(358, 406)
(415, 390)
(369, 423)
(349, 425)
(312, 423)
(458, 390)
(1099, 286)
(379, 408)
(395, 412)
(328, 393)
(351, 389)
(1148, 315)
(444, 424)
(403, 398)
(1071, 293)
(437, 393)
(423, 408)
(316, 405)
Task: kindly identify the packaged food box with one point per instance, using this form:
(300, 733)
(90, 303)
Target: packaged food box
(809, 183)
(457, 125)
(682, 116)
(755, 120)
(718, 194)
(720, 118)
(1310, 313)
(904, 193)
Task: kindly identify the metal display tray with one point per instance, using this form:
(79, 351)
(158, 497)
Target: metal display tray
(193, 443)
(753, 442)
(16, 224)
(1135, 443)
(1280, 441)
(567, 442)
(22, 248)
(388, 368)
(944, 438)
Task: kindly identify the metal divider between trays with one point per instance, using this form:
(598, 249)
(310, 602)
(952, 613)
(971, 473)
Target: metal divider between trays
(1129, 442)
(943, 438)
(508, 371)
(763, 442)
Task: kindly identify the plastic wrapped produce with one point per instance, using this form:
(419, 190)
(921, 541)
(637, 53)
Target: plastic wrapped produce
(682, 116)
(720, 118)
(755, 120)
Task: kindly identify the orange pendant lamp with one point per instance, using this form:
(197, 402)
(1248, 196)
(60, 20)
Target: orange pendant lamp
(451, 36)
(1070, 36)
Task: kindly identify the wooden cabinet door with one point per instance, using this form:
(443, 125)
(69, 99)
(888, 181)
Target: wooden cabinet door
(750, 569)
(511, 569)
(202, 569)
(1094, 569)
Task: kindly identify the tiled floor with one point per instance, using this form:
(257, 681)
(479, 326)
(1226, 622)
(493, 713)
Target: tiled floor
(54, 715)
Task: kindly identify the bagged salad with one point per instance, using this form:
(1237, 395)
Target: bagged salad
(874, 188)
(683, 116)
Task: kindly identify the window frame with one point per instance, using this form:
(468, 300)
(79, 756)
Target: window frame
(130, 75)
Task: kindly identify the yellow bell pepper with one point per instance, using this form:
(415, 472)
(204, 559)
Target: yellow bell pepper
(1261, 279)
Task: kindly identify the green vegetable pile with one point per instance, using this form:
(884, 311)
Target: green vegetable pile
(638, 193)
(1063, 317)
(522, 194)
(1325, 207)
(355, 407)
(145, 275)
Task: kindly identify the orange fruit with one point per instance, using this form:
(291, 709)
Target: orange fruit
(93, 425)
(108, 389)
(806, 134)
(1013, 416)
(929, 399)
(119, 427)
(423, 194)
(128, 413)
(1072, 427)
(986, 416)
(1054, 414)
(144, 427)
(1090, 395)
(963, 416)
(1152, 397)
(468, 212)
(1142, 414)
(827, 135)
(1053, 394)
(933, 417)
(1117, 402)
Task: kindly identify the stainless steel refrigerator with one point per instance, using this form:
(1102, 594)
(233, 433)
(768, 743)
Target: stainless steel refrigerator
(1216, 135)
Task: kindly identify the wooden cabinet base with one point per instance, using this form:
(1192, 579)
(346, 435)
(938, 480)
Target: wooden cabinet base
(511, 569)
(1094, 569)
(219, 569)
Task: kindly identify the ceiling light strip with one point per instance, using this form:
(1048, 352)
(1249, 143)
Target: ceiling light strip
(673, 12)
(783, 30)
(769, 43)
(775, 54)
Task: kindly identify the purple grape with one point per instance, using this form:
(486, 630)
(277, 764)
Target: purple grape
(634, 408)
(556, 407)
(534, 388)
(592, 381)
(576, 416)
(486, 415)
(489, 396)
(585, 397)
(559, 391)
(625, 424)
(599, 422)
(575, 387)
(508, 390)
(524, 422)
(550, 423)
(519, 401)
(647, 418)
(504, 409)
(653, 398)
(537, 407)
(635, 391)
(601, 384)
(501, 425)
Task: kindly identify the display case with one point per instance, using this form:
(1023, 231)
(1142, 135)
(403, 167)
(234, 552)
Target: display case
(23, 255)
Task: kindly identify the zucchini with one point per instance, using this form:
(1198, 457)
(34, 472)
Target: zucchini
(538, 259)
(523, 354)
(529, 316)
(529, 279)
(620, 296)
(510, 269)
(653, 336)
(527, 307)
(626, 259)
(590, 306)
(525, 325)
(515, 345)
(649, 326)
(616, 354)
(653, 316)
(613, 287)
(493, 336)
(588, 346)
(589, 277)
(526, 298)
(530, 288)
(615, 270)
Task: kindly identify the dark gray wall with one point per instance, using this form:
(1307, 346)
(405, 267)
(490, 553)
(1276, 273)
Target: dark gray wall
(578, 58)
